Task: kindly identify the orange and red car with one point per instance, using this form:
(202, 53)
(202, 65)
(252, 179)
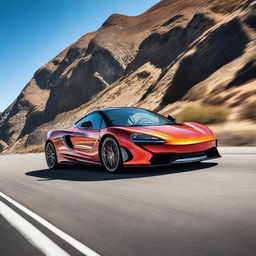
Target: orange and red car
(117, 137)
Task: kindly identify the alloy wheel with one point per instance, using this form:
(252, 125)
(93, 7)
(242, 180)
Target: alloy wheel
(50, 155)
(110, 153)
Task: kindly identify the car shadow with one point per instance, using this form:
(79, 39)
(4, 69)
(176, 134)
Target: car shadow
(97, 173)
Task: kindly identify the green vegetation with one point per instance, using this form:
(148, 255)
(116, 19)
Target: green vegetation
(204, 114)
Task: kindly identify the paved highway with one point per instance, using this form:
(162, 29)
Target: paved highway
(187, 210)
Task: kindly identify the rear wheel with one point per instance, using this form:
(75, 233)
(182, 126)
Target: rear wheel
(51, 156)
(111, 155)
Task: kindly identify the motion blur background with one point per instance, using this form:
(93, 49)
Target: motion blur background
(194, 59)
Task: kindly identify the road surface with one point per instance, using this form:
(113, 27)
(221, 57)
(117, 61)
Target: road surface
(187, 210)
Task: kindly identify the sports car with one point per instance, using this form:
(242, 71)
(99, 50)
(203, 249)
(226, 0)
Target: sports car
(117, 137)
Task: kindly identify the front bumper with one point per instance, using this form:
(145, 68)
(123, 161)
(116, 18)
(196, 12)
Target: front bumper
(165, 154)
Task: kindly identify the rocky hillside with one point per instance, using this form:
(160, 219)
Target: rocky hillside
(177, 55)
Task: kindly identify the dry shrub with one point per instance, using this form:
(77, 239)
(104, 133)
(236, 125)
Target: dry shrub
(236, 138)
(204, 114)
(226, 6)
(217, 90)
(235, 103)
(242, 98)
(30, 149)
(215, 100)
(249, 111)
(218, 100)
(195, 93)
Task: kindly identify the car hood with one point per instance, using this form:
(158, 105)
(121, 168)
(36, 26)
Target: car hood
(185, 133)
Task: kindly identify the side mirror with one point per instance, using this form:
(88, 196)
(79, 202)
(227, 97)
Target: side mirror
(86, 124)
(171, 118)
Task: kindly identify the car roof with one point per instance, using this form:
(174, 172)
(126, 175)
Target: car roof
(106, 109)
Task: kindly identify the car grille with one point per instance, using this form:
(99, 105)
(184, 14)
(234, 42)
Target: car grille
(161, 159)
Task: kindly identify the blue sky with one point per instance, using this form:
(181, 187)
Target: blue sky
(34, 31)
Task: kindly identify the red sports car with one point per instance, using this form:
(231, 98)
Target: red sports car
(116, 137)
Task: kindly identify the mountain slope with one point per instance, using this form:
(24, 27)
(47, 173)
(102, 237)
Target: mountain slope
(178, 53)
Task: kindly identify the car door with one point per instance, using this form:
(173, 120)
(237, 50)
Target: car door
(85, 140)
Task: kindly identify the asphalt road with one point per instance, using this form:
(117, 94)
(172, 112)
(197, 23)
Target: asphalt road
(194, 209)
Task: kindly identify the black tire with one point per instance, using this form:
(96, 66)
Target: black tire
(51, 156)
(111, 156)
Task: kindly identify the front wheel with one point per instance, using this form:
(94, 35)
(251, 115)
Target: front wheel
(111, 155)
(51, 156)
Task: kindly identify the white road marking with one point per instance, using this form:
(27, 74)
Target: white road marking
(69, 239)
(32, 234)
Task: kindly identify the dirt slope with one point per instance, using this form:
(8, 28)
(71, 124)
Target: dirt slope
(177, 54)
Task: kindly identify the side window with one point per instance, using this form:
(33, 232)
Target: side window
(103, 124)
(78, 124)
(95, 118)
(96, 121)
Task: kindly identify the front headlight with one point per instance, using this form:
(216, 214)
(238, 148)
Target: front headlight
(139, 138)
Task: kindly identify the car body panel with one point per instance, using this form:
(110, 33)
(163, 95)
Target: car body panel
(83, 144)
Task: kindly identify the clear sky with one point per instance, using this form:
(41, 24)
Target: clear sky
(34, 31)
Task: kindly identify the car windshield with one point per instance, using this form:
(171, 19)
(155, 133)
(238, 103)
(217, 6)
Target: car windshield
(135, 117)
